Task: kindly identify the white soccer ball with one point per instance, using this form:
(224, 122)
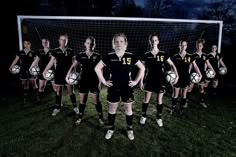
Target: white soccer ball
(74, 78)
(35, 71)
(16, 69)
(194, 77)
(170, 77)
(50, 75)
(210, 73)
(222, 70)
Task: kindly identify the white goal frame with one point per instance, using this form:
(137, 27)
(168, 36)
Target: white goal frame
(21, 17)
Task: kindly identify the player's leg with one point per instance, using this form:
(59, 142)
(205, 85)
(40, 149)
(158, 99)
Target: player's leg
(54, 87)
(159, 107)
(58, 103)
(184, 92)
(42, 85)
(147, 96)
(70, 92)
(175, 96)
(98, 106)
(190, 88)
(25, 84)
(215, 85)
(34, 85)
(113, 99)
(83, 99)
(201, 87)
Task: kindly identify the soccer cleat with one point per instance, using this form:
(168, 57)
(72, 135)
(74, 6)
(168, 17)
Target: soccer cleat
(109, 134)
(142, 120)
(185, 105)
(159, 122)
(101, 121)
(55, 112)
(130, 134)
(76, 110)
(181, 111)
(78, 121)
(172, 111)
(203, 104)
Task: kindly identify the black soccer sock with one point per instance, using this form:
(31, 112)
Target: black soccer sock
(159, 110)
(144, 109)
(41, 94)
(73, 100)
(26, 91)
(98, 107)
(182, 102)
(202, 97)
(129, 121)
(81, 110)
(111, 121)
(58, 102)
(174, 102)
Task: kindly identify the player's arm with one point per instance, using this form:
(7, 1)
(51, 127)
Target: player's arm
(223, 64)
(14, 62)
(139, 75)
(35, 62)
(72, 69)
(173, 68)
(98, 69)
(194, 65)
(50, 64)
(210, 66)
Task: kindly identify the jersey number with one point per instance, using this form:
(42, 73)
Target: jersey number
(127, 61)
(160, 58)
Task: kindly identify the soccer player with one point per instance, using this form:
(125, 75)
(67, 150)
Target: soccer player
(42, 58)
(183, 62)
(215, 60)
(154, 61)
(89, 81)
(63, 56)
(202, 62)
(26, 57)
(120, 84)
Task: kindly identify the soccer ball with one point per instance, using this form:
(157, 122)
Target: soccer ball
(210, 73)
(74, 78)
(35, 71)
(50, 75)
(16, 69)
(222, 70)
(170, 77)
(194, 77)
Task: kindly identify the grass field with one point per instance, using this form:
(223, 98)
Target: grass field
(30, 130)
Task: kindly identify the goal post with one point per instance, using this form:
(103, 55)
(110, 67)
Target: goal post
(137, 30)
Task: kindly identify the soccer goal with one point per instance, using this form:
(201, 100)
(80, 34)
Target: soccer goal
(137, 30)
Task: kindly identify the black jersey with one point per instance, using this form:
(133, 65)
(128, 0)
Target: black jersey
(200, 61)
(120, 68)
(214, 60)
(155, 64)
(64, 60)
(26, 59)
(88, 64)
(44, 58)
(182, 64)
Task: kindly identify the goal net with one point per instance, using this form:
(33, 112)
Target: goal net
(137, 30)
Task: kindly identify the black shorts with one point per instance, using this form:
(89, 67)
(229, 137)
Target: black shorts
(87, 86)
(60, 79)
(117, 92)
(25, 75)
(183, 82)
(156, 86)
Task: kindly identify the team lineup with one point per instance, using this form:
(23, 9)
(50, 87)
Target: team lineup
(59, 66)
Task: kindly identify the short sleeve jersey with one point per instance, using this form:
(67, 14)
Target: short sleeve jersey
(120, 68)
(26, 59)
(155, 64)
(200, 61)
(64, 59)
(214, 60)
(44, 57)
(182, 64)
(88, 64)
